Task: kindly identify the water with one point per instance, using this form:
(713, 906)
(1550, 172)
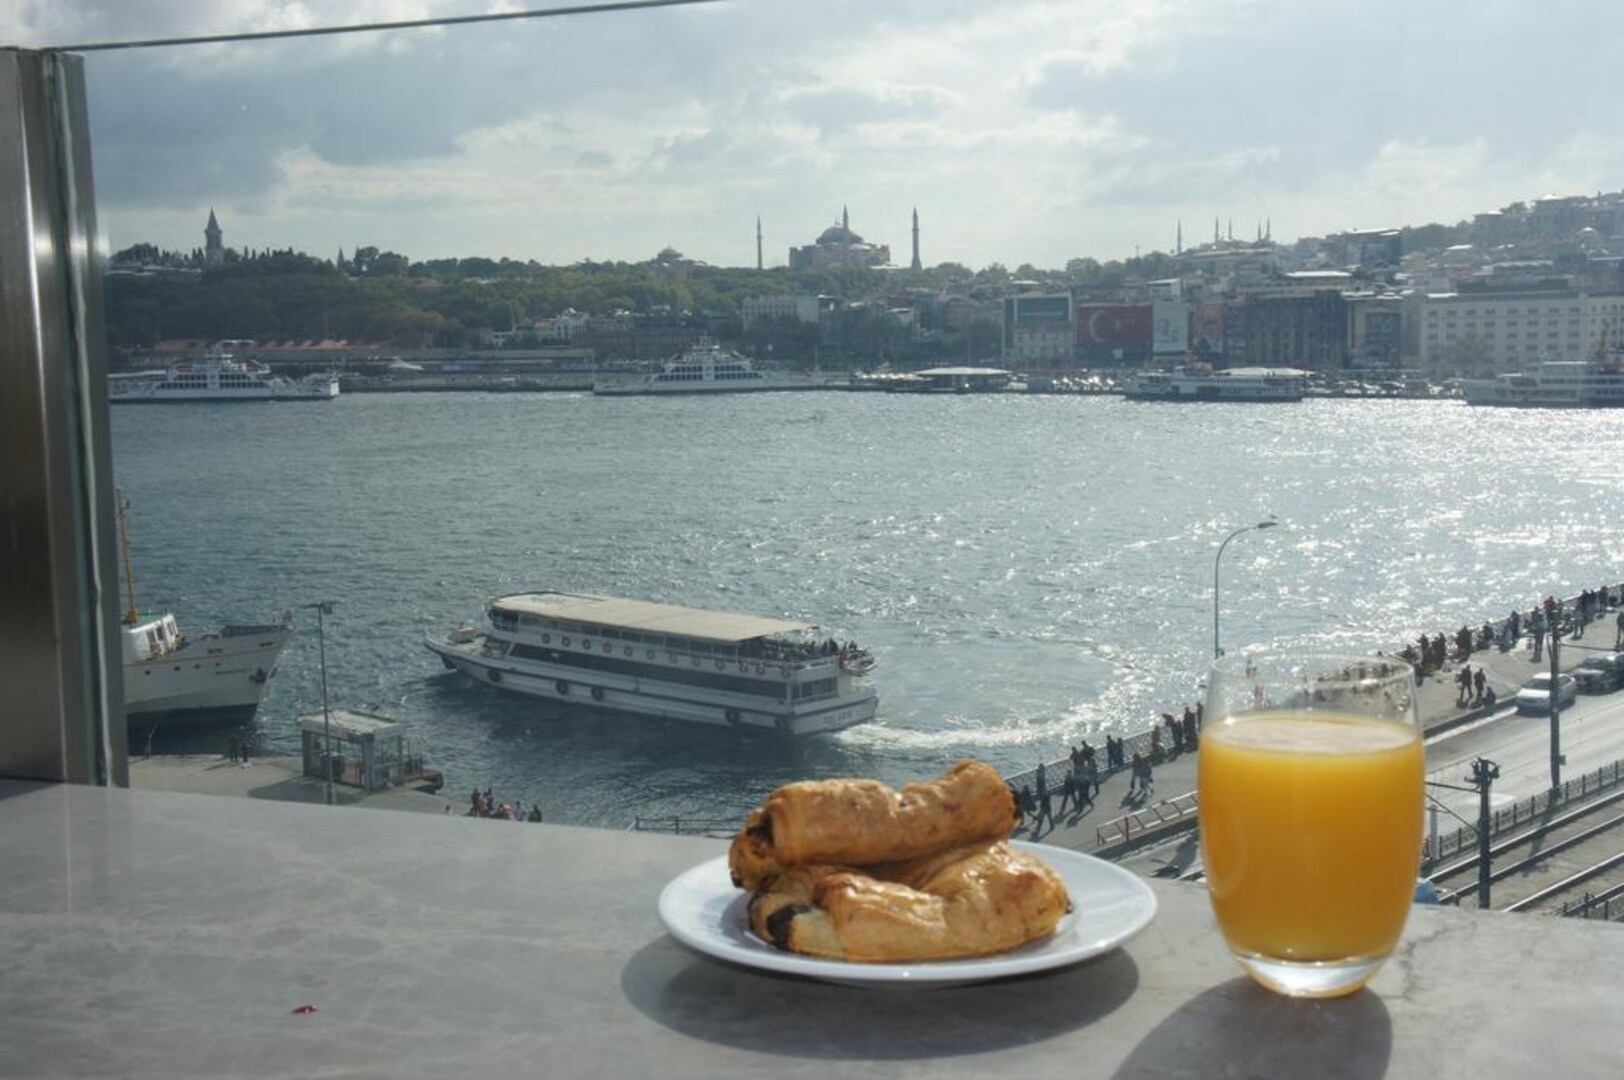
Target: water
(1028, 570)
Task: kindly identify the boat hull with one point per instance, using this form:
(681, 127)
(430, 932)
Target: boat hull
(215, 680)
(648, 695)
(644, 389)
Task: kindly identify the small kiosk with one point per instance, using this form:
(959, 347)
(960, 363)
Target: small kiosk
(360, 749)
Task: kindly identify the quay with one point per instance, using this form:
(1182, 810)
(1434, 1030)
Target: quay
(280, 778)
(1118, 823)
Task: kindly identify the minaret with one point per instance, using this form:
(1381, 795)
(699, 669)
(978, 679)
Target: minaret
(845, 219)
(214, 251)
(1178, 239)
(916, 263)
(1215, 236)
(759, 264)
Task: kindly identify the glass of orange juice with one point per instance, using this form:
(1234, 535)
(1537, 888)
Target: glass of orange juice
(1309, 778)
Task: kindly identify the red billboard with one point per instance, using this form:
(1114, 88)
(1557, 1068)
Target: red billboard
(1118, 325)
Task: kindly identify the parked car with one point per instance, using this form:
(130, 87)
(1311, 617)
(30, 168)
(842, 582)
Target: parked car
(1601, 673)
(1535, 695)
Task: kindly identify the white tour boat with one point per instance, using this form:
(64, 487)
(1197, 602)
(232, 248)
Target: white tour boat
(706, 368)
(1227, 384)
(173, 680)
(745, 672)
(1554, 384)
(220, 377)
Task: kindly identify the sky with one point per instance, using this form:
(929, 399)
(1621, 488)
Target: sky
(1024, 131)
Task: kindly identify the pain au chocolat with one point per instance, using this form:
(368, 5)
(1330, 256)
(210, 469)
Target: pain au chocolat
(864, 822)
(852, 870)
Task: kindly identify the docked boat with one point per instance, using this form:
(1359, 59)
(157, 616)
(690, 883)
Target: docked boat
(173, 680)
(220, 377)
(744, 672)
(705, 368)
(1224, 384)
(1554, 384)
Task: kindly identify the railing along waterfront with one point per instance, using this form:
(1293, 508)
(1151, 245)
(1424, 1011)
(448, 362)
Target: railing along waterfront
(1437, 847)
(722, 828)
(1608, 905)
(1121, 830)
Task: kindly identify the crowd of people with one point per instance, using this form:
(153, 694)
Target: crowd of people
(484, 805)
(1080, 782)
(1552, 617)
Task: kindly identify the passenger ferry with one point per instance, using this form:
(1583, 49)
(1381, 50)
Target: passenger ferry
(1554, 384)
(220, 377)
(744, 672)
(706, 368)
(1227, 384)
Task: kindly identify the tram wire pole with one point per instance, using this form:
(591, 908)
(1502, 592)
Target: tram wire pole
(1556, 716)
(1484, 774)
(325, 607)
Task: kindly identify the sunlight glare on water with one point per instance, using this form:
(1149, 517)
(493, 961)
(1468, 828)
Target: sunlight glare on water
(1028, 569)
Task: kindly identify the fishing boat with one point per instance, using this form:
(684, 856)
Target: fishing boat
(217, 377)
(1554, 384)
(745, 672)
(174, 680)
(705, 368)
(1199, 383)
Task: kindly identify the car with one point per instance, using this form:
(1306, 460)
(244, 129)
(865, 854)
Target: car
(1535, 694)
(1600, 674)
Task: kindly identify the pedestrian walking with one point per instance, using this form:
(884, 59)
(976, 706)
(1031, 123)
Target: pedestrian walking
(1045, 802)
(1479, 681)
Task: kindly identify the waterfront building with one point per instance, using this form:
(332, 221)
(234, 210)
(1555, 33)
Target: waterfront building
(838, 246)
(1039, 329)
(1480, 330)
(1302, 330)
(802, 307)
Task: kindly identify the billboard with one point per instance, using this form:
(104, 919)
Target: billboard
(1170, 326)
(1209, 330)
(1124, 326)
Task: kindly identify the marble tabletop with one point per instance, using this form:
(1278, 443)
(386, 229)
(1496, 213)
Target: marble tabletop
(161, 934)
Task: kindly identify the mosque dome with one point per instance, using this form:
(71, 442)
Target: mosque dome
(838, 234)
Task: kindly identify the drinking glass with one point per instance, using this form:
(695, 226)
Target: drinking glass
(1310, 784)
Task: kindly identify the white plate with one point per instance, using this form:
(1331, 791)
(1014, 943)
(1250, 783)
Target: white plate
(703, 910)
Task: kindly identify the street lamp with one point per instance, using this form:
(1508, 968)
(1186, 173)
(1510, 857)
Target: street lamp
(324, 607)
(1269, 524)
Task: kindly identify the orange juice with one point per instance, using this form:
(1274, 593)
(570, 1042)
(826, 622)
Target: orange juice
(1311, 832)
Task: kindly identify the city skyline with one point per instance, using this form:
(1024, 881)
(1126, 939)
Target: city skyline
(1033, 133)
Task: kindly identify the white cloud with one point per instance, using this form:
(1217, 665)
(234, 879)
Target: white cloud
(1026, 131)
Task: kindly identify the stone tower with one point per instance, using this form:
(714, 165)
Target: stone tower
(916, 264)
(214, 250)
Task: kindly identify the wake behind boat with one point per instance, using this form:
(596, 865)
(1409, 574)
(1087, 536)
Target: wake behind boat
(219, 377)
(739, 671)
(706, 368)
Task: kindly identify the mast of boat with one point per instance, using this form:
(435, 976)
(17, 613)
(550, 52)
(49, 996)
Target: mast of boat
(130, 615)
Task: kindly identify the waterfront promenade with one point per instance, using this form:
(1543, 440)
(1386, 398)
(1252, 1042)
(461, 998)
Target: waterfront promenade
(1119, 822)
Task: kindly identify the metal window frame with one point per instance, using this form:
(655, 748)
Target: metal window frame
(61, 667)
